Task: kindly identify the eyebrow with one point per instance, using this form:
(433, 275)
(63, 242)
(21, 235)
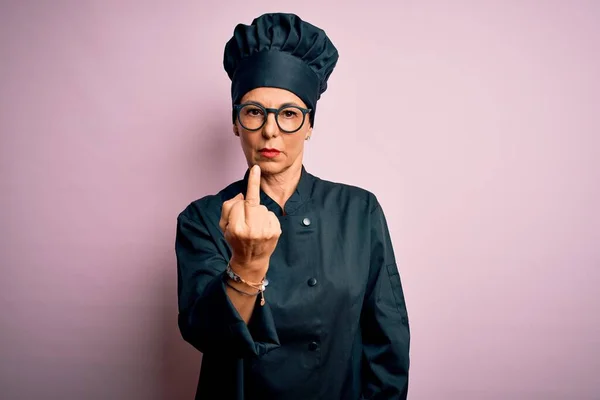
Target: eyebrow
(291, 103)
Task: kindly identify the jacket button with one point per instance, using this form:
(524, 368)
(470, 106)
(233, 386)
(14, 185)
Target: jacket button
(312, 346)
(312, 282)
(306, 221)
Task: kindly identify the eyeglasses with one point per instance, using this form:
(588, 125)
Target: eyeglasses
(253, 116)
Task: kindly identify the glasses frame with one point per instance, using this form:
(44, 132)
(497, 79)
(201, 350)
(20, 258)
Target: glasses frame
(266, 111)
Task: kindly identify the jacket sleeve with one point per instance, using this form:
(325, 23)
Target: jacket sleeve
(384, 320)
(207, 318)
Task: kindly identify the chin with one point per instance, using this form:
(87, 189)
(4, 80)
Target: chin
(270, 167)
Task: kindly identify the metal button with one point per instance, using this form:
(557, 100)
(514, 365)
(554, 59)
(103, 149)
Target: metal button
(312, 346)
(306, 221)
(312, 282)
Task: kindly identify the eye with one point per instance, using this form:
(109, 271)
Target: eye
(289, 113)
(252, 111)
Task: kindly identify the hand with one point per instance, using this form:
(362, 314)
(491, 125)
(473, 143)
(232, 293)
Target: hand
(250, 228)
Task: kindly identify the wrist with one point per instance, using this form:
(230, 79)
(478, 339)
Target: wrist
(258, 282)
(254, 270)
(241, 288)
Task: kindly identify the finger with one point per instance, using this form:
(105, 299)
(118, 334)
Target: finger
(253, 190)
(274, 226)
(237, 220)
(227, 206)
(226, 209)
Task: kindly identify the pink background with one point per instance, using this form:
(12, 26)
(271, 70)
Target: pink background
(475, 122)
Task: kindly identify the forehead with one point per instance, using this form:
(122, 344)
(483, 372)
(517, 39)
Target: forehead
(272, 97)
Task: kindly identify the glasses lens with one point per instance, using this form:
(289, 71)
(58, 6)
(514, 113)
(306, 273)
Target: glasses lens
(290, 119)
(251, 117)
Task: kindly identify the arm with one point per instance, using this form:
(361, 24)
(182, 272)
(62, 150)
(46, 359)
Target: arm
(384, 321)
(207, 317)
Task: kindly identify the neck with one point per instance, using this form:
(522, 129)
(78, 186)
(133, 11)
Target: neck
(281, 186)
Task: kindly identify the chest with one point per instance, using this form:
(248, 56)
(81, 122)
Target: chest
(319, 270)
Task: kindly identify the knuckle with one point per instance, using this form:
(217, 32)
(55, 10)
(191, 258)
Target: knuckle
(277, 234)
(237, 231)
(228, 203)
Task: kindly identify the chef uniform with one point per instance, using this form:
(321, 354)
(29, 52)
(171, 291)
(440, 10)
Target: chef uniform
(334, 325)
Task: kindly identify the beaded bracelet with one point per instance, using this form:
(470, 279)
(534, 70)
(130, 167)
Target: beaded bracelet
(260, 286)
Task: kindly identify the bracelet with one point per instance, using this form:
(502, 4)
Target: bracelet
(241, 291)
(261, 286)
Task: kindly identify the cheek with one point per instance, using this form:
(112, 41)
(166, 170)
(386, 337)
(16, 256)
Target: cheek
(247, 139)
(295, 143)
(246, 144)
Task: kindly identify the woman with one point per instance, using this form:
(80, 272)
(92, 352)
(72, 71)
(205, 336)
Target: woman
(288, 283)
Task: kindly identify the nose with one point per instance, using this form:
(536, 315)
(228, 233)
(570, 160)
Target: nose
(270, 129)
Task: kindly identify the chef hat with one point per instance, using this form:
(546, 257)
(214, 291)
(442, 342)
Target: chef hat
(283, 51)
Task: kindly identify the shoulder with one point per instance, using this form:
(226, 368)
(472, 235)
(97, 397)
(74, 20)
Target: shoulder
(345, 194)
(209, 206)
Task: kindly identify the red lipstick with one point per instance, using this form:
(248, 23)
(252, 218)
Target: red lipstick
(269, 153)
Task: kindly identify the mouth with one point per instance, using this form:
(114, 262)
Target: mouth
(269, 153)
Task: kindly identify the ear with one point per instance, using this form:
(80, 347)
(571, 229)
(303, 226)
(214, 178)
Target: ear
(236, 132)
(308, 133)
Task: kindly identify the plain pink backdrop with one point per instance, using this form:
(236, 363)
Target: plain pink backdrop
(476, 123)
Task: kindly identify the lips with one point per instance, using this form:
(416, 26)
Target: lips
(269, 153)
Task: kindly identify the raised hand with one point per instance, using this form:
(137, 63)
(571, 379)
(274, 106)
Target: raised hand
(250, 228)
